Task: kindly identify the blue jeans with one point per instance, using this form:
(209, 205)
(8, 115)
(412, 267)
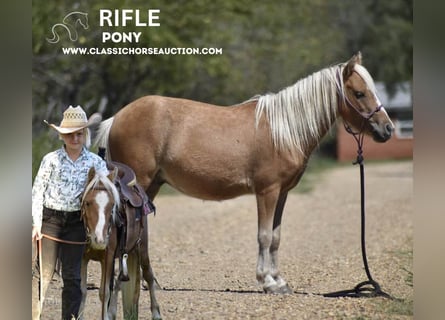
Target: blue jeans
(65, 226)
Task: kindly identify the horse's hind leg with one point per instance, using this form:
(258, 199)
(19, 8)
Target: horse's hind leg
(148, 274)
(276, 235)
(154, 185)
(154, 306)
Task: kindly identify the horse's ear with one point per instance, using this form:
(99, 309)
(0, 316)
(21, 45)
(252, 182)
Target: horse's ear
(358, 56)
(349, 68)
(91, 173)
(113, 175)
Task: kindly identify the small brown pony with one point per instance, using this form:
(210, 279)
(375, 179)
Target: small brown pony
(104, 212)
(261, 146)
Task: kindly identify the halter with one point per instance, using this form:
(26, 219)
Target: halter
(364, 115)
(358, 136)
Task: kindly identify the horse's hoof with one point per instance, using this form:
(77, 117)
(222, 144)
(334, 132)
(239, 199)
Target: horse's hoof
(156, 316)
(275, 289)
(271, 289)
(285, 289)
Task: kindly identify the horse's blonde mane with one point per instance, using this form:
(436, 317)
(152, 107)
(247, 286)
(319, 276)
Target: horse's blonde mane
(300, 114)
(109, 186)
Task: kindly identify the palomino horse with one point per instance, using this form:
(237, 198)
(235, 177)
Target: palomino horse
(261, 146)
(115, 228)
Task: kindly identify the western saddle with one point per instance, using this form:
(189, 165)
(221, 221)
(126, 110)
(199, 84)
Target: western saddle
(134, 205)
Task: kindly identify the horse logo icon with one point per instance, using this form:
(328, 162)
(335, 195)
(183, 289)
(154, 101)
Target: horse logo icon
(69, 23)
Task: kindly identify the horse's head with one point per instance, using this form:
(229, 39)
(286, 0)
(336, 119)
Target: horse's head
(76, 17)
(100, 203)
(84, 22)
(360, 107)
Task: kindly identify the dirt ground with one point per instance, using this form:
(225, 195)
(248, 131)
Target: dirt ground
(204, 253)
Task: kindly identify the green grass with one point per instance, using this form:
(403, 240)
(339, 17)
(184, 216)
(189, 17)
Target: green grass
(394, 308)
(401, 307)
(168, 190)
(407, 257)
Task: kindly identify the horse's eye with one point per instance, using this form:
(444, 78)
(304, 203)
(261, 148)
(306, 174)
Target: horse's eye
(359, 94)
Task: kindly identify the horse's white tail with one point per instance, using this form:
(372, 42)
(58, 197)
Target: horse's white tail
(103, 133)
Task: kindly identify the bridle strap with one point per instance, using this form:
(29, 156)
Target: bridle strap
(344, 97)
(365, 115)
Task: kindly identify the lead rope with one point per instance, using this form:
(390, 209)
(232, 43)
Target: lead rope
(39, 253)
(363, 289)
(39, 243)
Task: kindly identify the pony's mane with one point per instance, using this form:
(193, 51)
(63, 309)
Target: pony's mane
(299, 114)
(107, 183)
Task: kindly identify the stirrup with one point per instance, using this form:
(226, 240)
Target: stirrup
(123, 274)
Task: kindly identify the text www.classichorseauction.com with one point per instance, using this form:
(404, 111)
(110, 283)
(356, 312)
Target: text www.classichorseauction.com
(143, 51)
(118, 18)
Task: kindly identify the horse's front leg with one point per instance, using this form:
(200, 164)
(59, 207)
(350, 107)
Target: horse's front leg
(266, 204)
(112, 308)
(276, 236)
(103, 294)
(106, 282)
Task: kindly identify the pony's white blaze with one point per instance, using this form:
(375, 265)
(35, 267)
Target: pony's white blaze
(102, 201)
(382, 109)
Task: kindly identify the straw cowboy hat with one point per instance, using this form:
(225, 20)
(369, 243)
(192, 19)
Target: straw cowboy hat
(75, 119)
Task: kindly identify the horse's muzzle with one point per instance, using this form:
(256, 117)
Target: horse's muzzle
(382, 133)
(96, 243)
